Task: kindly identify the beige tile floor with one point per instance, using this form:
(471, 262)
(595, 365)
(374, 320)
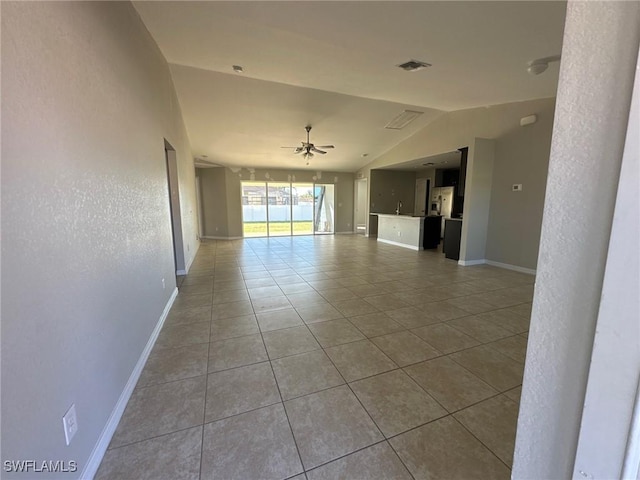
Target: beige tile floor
(329, 357)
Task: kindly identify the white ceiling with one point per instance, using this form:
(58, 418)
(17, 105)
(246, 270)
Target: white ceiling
(333, 65)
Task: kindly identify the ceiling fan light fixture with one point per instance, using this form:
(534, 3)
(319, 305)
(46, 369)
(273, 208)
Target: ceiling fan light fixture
(413, 65)
(307, 149)
(238, 69)
(402, 120)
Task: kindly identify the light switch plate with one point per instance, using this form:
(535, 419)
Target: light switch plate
(517, 187)
(70, 423)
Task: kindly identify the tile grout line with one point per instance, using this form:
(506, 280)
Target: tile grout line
(275, 380)
(481, 442)
(204, 410)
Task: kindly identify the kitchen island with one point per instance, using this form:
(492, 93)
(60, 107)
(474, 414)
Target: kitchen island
(401, 230)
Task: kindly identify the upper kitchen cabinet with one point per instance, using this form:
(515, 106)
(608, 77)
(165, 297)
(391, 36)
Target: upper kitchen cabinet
(447, 177)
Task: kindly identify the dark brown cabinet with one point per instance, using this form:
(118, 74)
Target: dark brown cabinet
(452, 235)
(431, 232)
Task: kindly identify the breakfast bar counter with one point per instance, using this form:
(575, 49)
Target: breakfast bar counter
(402, 230)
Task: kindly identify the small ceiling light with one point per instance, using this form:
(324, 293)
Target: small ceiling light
(429, 164)
(530, 120)
(402, 120)
(238, 69)
(413, 65)
(536, 67)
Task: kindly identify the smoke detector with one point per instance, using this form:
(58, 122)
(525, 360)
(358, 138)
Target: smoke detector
(413, 65)
(540, 65)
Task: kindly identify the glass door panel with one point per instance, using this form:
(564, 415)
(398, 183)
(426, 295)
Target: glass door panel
(324, 209)
(279, 209)
(254, 209)
(302, 208)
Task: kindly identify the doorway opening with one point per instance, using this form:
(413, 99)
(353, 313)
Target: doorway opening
(361, 206)
(421, 203)
(174, 210)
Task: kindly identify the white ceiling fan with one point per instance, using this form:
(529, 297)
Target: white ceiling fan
(308, 149)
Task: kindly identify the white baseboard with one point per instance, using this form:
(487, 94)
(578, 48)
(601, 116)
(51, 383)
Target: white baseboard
(100, 448)
(193, 257)
(468, 263)
(225, 238)
(515, 268)
(398, 244)
(507, 266)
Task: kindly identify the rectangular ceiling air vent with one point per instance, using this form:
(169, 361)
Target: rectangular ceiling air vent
(402, 120)
(414, 65)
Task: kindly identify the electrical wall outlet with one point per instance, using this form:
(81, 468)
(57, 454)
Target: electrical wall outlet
(70, 423)
(516, 187)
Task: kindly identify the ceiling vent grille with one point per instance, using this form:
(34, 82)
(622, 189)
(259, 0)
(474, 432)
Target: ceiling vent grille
(402, 120)
(414, 65)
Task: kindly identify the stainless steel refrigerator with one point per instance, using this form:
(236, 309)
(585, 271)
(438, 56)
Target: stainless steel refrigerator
(441, 204)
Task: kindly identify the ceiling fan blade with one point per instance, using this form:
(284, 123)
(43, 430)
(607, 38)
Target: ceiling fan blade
(314, 149)
(326, 146)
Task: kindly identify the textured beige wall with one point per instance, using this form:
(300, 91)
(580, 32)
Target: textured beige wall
(477, 199)
(589, 130)
(214, 202)
(87, 101)
(234, 203)
(521, 157)
(387, 187)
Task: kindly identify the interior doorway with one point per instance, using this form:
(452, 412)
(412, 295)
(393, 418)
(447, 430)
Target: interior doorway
(174, 209)
(422, 197)
(361, 206)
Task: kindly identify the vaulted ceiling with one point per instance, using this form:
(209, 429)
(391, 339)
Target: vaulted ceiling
(333, 65)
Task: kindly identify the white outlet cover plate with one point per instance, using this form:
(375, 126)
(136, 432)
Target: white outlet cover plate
(516, 187)
(70, 423)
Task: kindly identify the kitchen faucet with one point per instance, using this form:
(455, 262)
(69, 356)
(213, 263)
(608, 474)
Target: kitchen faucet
(398, 207)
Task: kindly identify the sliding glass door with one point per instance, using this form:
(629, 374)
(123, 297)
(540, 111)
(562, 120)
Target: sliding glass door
(274, 209)
(279, 209)
(302, 208)
(254, 209)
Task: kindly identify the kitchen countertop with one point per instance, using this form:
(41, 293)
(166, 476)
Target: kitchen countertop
(393, 215)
